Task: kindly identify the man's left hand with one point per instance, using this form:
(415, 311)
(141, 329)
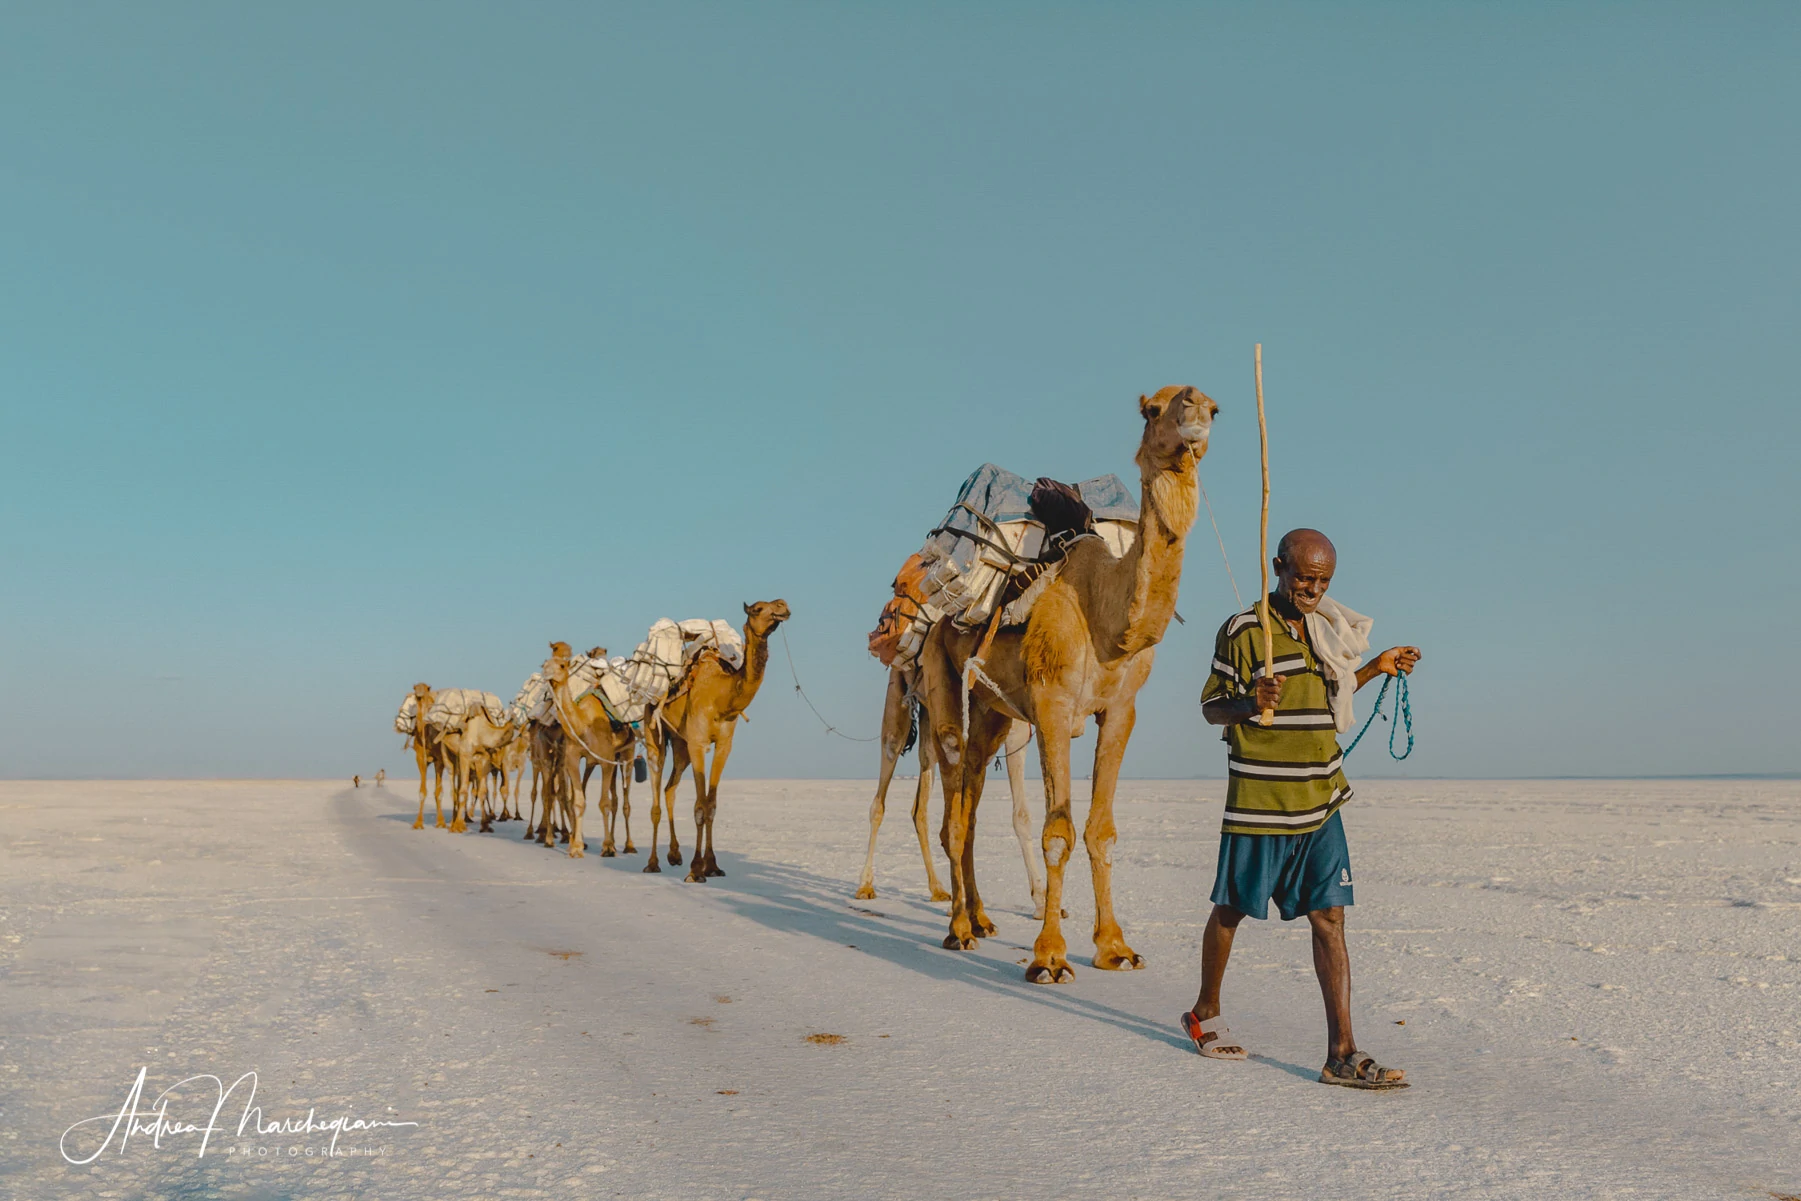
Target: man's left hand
(1398, 660)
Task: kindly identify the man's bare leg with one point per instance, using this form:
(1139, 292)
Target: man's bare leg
(1216, 949)
(1332, 964)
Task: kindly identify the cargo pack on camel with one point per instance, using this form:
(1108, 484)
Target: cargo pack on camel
(454, 707)
(630, 686)
(998, 548)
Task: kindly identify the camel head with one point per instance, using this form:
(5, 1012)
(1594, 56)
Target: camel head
(762, 617)
(556, 668)
(423, 694)
(1177, 422)
(597, 652)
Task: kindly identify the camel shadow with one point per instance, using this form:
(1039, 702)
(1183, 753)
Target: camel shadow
(794, 900)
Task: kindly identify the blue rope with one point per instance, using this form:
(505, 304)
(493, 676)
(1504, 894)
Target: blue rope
(1404, 704)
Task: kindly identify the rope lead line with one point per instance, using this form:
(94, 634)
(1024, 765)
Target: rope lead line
(795, 676)
(1405, 705)
(1222, 544)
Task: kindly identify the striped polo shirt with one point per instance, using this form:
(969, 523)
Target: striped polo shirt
(1285, 778)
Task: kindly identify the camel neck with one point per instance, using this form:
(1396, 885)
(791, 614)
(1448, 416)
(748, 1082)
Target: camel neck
(756, 662)
(1166, 511)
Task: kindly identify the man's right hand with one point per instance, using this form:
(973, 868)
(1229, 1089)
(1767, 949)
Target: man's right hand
(1269, 692)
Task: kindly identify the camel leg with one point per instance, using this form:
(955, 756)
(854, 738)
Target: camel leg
(424, 766)
(556, 815)
(894, 733)
(722, 750)
(987, 730)
(625, 800)
(679, 753)
(1110, 949)
(487, 788)
(657, 744)
(945, 693)
(458, 772)
(1018, 737)
(697, 862)
(547, 796)
(438, 790)
(577, 798)
(922, 798)
(1050, 953)
(609, 802)
(531, 802)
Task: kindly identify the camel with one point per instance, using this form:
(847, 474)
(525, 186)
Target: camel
(702, 712)
(428, 749)
(546, 749)
(897, 727)
(1086, 648)
(589, 731)
(472, 752)
(510, 770)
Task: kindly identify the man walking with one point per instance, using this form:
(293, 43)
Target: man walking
(1282, 837)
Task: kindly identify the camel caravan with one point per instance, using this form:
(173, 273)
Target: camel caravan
(675, 700)
(1031, 607)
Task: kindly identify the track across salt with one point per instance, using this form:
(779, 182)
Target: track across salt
(1600, 985)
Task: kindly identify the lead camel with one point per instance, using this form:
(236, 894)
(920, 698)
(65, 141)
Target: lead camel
(1086, 649)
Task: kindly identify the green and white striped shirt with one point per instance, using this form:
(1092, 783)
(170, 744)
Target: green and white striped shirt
(1285, 778)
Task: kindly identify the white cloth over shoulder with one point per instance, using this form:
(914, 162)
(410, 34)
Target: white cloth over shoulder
(1340, 638)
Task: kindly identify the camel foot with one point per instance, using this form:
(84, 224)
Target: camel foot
(528, 836)
(420, 824)
(653, 865)
(608, 853)
(458, 827)
(576, 852)
(675, 858)
(1123, 960)
(938, 894)
(630, 849)
(865, 893)
(695, 876)
(952, 942)
(713, 870)
(1055, 972)
(982, 926)
(440, 824)
(486, 828)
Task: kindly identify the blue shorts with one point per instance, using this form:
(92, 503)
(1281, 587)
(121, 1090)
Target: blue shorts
(1303, 872)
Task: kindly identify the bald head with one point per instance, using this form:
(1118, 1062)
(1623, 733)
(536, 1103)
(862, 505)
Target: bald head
(1305, 561)
(1304, 543)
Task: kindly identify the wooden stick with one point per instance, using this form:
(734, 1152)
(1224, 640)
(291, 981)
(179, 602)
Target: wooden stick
(1268, 716)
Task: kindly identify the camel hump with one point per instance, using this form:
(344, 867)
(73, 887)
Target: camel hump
(1001, 527)
(454, 707)
(1059, 507)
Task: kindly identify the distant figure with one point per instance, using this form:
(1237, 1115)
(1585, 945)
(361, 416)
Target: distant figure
(381, 776)
(356, 781)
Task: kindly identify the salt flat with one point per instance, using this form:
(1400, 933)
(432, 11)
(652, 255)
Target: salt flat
(1600, 985)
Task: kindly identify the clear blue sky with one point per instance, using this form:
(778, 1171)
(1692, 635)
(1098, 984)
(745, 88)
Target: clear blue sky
(348, 345)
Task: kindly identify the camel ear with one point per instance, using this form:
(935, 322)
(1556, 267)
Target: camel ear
(1150, 409)
(747, 610)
